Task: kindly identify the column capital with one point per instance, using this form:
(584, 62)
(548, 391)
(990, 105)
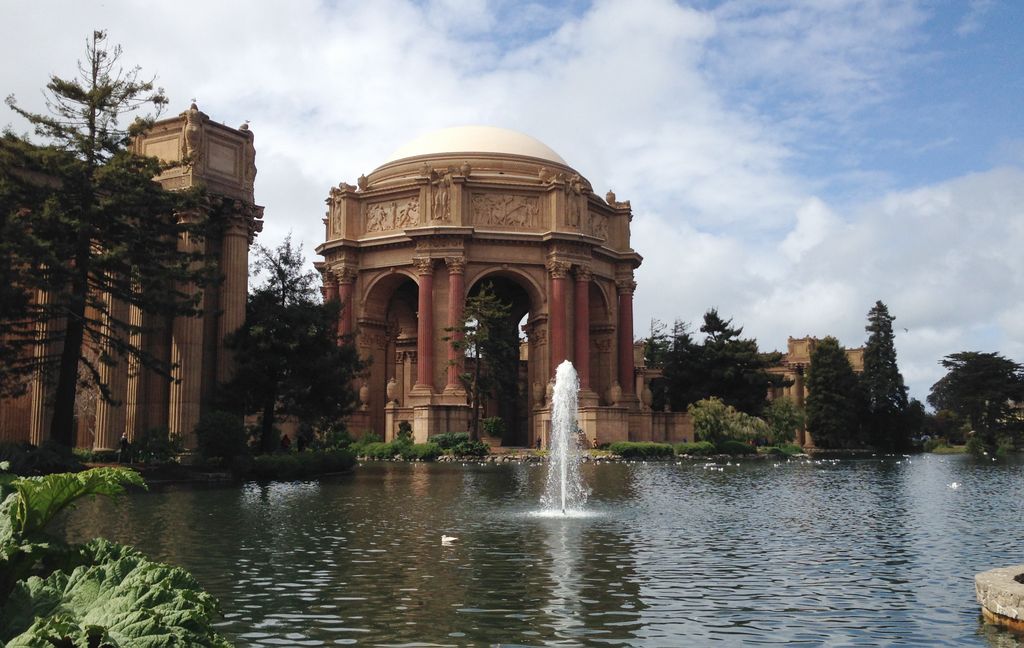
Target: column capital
(558, 269)
(583, 272)
(456, 264)
(344, 274)
(423, 265)
(625, 286)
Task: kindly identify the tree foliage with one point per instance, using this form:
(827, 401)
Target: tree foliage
(724, 366)
(983, 389)
(784, 418)
(884, 391)
(287, 355)
(832, 397)
(491, 348)
(716, 422)
(84, 224)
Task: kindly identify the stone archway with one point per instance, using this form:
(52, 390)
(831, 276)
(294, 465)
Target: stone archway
(512, 403)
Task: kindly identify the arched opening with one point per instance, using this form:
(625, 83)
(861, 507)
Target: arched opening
(510, 400)
(387, 342)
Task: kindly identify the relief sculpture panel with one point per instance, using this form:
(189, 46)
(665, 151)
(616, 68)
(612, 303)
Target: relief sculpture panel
(393, 214)
(598, 225)
(506, 210)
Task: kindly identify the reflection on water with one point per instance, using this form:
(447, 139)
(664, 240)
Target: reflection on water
(868, 552)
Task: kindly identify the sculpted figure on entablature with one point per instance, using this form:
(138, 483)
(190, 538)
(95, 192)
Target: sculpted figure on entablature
(393, 214)
(506, 210)
(191, 147)
(442, 207)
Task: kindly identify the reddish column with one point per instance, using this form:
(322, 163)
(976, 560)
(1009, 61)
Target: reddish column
(558, 270)
(425, 324)
(626, 288)
(456, 301)
(346, 288)
(582, 326)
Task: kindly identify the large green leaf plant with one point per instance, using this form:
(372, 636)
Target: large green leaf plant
(96, 595)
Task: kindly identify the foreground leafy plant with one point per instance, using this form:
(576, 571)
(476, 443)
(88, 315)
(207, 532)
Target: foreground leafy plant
(100, 594)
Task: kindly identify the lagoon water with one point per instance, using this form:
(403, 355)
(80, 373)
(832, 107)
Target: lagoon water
(878, 551)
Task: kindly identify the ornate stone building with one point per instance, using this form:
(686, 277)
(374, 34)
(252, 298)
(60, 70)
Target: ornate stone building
(461, 207)
(223, 160)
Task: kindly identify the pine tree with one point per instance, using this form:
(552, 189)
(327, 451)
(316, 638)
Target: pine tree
(288, 360)
(885, 393)
(985, 390)
(832, 395)
(88, 227)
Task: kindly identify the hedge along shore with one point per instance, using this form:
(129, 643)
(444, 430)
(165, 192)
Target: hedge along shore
(1001, 594)
(531, 456)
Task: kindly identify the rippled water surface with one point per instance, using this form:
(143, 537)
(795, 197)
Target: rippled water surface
(854, 552)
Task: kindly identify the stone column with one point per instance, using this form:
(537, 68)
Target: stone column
(329, 290)
(456, 302)
(234, 267)
(135, 398)
(558, 271)
(110, 416)
(42, 382)
(346, 289)
(425, 324)
(186, 361)
(581, 340)
(798, 396)
(625, 289)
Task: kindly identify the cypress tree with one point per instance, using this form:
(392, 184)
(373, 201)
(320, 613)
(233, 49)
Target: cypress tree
(832, 397)
(885, 393)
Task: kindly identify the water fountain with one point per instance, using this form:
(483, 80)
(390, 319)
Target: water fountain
(564, 493)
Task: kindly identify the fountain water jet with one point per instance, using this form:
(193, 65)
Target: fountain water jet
(564, 491)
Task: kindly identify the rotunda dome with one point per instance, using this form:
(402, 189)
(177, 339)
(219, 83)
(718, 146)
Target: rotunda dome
(476, 139)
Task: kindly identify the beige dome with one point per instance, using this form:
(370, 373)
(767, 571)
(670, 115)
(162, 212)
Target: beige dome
(476, 139)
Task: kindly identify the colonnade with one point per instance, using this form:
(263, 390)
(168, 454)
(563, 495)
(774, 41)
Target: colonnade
(339, 282)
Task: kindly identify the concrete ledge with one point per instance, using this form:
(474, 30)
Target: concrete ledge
(1001, 595)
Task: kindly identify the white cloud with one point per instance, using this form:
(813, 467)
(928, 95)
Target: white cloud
(699, 117)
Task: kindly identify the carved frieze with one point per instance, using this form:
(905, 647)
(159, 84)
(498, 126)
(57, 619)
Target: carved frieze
(598, 225)
(506, 210)
(393, 214)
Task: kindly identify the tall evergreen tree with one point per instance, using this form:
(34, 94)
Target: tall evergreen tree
(885, 393)
(832, 397)
(288, 360)
(89, 228)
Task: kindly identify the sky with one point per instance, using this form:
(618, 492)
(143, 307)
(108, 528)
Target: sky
(789, 162)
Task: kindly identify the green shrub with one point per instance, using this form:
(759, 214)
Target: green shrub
(379, 450)
(291, 466)
(932, 444)
(976, 447)
(404, 431)
(470, 449)
(27, 459)
(494, 427)
(733, 447)
(358, 447)
(449, 440)
(642, 450)
(421, 452)
(155, 446)
(785, 450)
(222, 435)
(697, 448)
